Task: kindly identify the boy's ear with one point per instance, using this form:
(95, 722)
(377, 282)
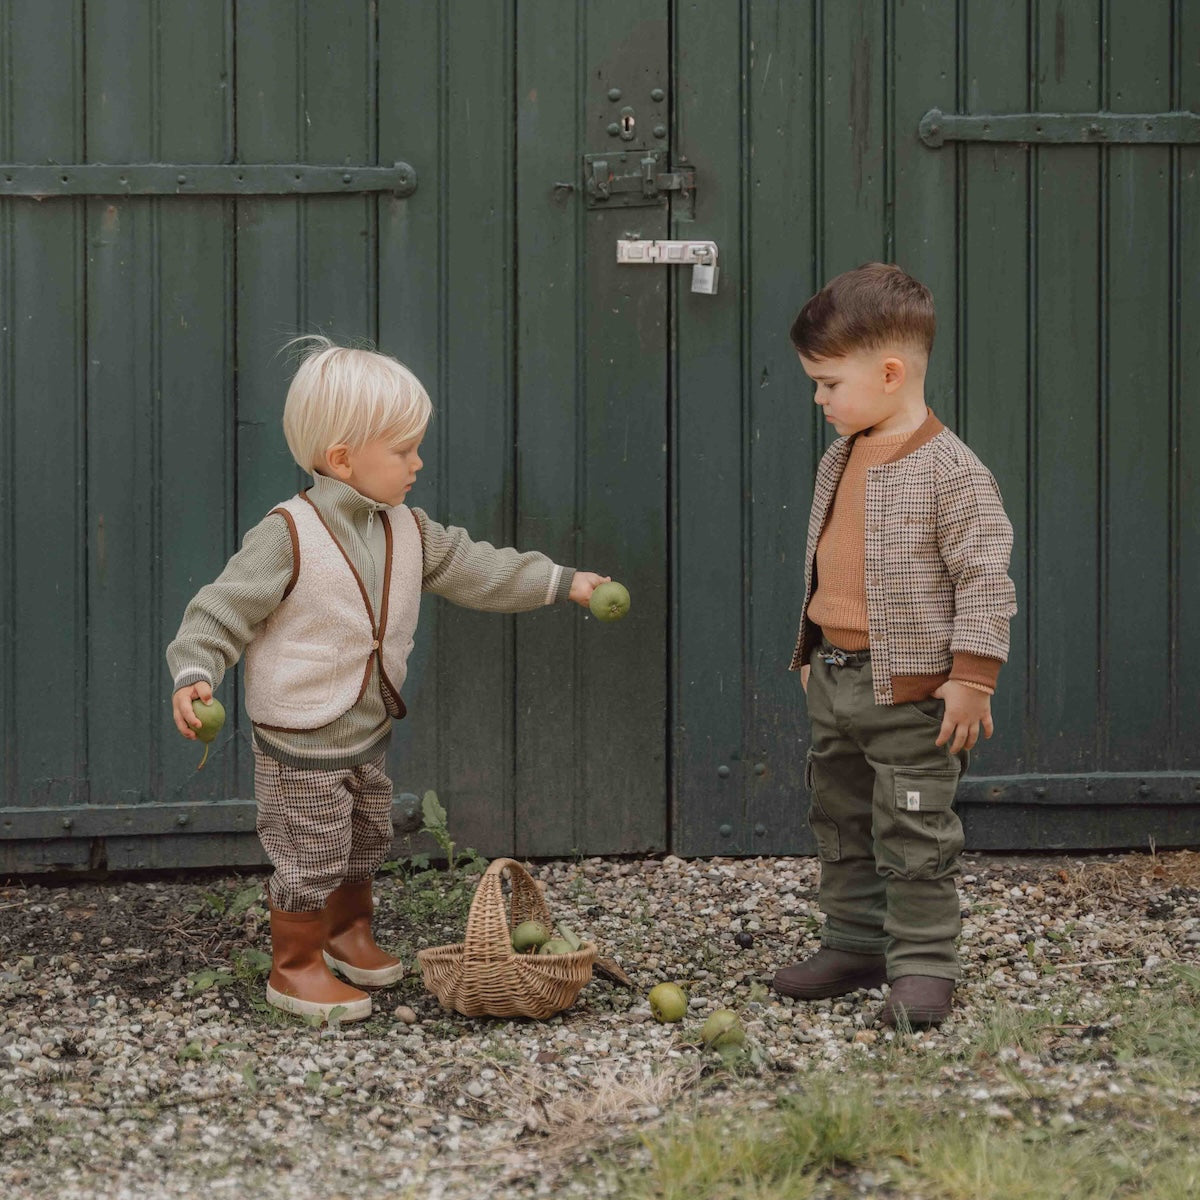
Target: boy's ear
(337, 459)
(894, 372)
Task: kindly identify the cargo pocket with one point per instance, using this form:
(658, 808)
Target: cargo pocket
(919, 834)
(829, 842)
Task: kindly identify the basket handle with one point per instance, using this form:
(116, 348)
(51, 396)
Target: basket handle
(488, 937)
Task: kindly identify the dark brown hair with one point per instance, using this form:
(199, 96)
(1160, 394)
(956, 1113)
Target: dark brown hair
(872, 306)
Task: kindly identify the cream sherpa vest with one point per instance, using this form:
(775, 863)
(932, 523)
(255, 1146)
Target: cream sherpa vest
(312, 659)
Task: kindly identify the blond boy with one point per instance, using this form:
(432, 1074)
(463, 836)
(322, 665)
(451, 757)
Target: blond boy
(903, 628)
(323, 599)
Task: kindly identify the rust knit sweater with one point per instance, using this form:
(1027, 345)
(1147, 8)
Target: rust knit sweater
(839, 604)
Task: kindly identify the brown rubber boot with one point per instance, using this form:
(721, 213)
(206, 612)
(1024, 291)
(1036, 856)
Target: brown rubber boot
(350, 947)
(919, 1001)
(830, 972)
(300, 982)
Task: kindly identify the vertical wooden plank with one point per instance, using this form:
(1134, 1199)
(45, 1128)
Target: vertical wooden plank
(194, 373)
(271, 295)
(122, 67)
(622, 455)
(710, 808)
(1185, 301)
(1136, 624)
(475, 475)
(777, 221)
(855, 223)
(338, 101)
(551, 314)
(924, 74)
(994, 318)
(43, 603)
(412, 238)
(1062, 607)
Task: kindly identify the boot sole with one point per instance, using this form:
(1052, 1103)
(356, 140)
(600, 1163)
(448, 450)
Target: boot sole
(363, 977)
(355, 1010)
(839, 987)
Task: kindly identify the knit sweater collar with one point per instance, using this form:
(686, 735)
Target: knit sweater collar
(333, 496)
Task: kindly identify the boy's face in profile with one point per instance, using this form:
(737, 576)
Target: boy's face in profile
(859, 390)
(382, 470)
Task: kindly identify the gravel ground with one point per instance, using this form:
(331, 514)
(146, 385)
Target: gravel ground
(137, 1057)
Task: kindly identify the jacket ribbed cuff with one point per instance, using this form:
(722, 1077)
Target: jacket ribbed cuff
(190, 676)
(564, 585)
(975, 669)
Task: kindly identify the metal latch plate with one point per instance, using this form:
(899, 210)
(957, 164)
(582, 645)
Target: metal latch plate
(634, 179)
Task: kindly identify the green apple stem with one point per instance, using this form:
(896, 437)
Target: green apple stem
(205, 758)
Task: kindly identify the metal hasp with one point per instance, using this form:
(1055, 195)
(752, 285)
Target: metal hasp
(1059, 129)
(700, 255)
(203, 179)
(634, 179)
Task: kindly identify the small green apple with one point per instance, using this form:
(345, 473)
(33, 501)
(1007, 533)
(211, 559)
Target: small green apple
(212, 718)
(529, 936)
(723, 1028)
(668, 1002)
(609, 602)
(556, 945)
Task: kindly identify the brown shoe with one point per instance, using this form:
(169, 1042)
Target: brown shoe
(830, 973)
(918, 1000)
(300, 982)
(350, 947)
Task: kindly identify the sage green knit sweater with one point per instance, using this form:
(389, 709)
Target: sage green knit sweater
(223, 617)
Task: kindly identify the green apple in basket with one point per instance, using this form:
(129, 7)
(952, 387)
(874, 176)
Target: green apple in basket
(530, 936)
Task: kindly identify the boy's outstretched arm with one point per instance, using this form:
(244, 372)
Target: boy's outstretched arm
(494, 579)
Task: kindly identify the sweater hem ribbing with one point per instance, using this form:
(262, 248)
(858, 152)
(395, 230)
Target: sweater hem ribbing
(336, 763)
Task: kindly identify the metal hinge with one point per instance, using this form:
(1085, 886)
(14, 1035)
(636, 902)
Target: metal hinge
(42, 180)
(634, 178)
(1102, 128)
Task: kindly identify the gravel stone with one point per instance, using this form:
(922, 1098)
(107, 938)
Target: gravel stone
(138, 1058)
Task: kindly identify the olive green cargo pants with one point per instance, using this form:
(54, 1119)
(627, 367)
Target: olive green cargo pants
(882, 813)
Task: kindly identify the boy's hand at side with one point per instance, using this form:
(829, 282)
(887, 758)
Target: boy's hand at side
(584, 584)
(185, 717)
(967, 708)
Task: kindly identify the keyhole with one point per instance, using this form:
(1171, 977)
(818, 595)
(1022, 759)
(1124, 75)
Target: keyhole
(627, 125)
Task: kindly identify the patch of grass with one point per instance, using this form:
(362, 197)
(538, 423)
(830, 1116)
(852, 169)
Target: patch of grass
(825, 1131)
(1162, 1027)
(1009, 1027)
(820, 1142)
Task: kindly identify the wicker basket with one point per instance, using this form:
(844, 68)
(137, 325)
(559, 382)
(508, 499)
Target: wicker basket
(484, 976)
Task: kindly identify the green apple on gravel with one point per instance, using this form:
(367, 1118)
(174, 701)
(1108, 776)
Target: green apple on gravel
(723, 1029)
(668, 1002)
(609, 601)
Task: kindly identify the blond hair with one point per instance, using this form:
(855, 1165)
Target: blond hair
(343, 394)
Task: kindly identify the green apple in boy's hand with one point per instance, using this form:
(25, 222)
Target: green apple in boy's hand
(609, 602)
(212, 718)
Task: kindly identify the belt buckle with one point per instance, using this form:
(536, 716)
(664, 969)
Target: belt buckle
(835, 657)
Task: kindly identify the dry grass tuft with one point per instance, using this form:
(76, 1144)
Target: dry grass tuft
(1131, 874)
(611, 1098)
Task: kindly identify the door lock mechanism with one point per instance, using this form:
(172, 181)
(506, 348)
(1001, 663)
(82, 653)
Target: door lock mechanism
(701, 255)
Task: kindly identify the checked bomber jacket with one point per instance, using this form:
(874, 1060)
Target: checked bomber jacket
(937, 543)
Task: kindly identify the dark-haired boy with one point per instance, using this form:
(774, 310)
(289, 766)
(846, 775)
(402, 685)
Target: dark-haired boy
(903, 629)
